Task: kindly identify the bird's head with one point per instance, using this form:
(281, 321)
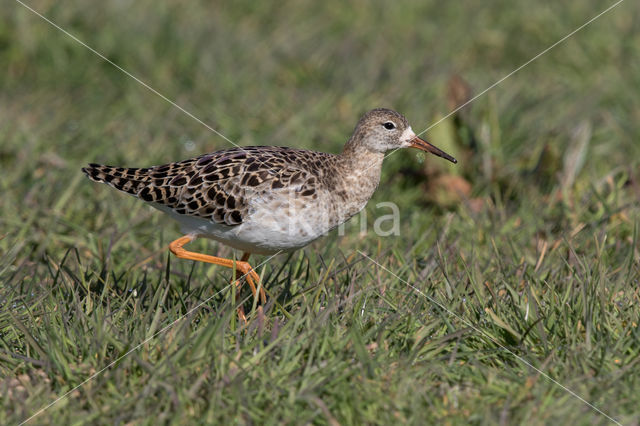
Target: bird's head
(381, 130)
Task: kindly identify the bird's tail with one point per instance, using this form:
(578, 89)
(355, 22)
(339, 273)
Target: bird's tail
(129, 180)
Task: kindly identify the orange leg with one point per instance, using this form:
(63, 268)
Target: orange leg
(242, 265)
(263, 296)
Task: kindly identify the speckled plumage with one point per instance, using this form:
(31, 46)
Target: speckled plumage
(216, 186)
(266, 198)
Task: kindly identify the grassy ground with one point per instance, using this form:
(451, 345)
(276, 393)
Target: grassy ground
(538, 257)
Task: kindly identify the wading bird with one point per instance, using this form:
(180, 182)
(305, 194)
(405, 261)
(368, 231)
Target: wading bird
(267, 199)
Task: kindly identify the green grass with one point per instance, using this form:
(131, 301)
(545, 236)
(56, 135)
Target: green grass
(540, 260)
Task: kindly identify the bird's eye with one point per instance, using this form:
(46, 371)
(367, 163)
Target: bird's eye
(389, 125)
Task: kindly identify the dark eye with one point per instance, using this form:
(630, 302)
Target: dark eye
(389, 125)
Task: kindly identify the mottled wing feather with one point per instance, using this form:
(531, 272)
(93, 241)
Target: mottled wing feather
(218, 186)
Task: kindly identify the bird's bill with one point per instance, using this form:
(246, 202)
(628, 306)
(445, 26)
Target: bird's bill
(423, 145)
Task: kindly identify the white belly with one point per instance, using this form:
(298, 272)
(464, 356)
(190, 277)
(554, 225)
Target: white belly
(271, 226)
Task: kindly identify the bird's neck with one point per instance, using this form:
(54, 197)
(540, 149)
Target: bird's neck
(361, 163)
(357, 180)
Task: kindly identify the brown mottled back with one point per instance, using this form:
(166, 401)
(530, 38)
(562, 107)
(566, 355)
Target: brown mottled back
(218, 186)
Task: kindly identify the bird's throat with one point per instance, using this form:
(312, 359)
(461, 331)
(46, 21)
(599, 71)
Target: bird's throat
(358, 179)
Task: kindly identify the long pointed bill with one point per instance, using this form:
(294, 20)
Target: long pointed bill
(423, 145)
